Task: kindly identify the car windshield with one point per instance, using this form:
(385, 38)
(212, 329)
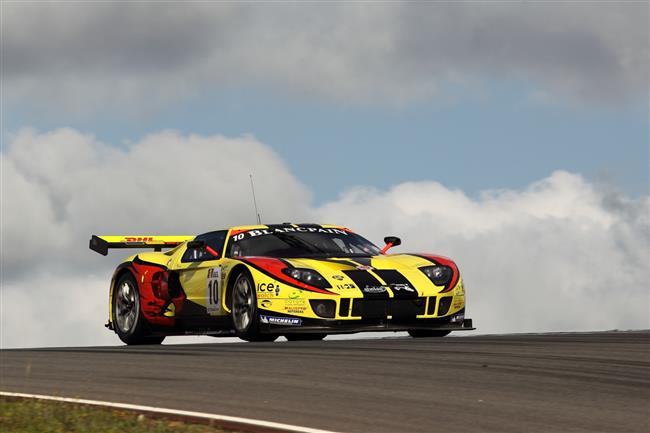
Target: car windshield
(300, 242)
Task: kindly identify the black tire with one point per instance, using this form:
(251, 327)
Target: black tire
(129, 324)
(422, 333)
(305, 337)
(245, 317)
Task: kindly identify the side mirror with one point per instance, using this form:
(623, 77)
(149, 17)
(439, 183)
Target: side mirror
(391, 241)
(202, 246)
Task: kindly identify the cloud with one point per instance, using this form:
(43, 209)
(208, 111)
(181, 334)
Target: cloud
(562, 254)
(48, 309)
(133, 57)
(65, 185)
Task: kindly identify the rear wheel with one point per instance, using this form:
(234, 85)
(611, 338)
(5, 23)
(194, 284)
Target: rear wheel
(305, 337)
(244, 313)
(129, 323)
(420, 333)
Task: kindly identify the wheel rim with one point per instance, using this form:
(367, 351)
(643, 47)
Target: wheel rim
(126, 307)
(242, 306)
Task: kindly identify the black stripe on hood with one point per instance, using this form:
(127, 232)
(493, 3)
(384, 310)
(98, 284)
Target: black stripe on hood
(366, 281)
(398, 283)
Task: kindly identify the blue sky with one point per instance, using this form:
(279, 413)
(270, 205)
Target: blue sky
(502, 139)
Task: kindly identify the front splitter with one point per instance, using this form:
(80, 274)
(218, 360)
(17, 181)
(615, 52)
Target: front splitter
(350, 328)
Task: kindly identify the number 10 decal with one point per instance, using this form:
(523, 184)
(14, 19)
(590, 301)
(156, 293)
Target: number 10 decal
(213, 291)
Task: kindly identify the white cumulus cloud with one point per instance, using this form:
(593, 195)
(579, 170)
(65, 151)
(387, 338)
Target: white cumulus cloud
(562, 254)
(59, 187)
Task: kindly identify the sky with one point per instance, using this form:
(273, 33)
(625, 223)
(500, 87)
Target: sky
(511, 136)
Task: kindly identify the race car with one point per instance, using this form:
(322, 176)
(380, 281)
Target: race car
(258, 282)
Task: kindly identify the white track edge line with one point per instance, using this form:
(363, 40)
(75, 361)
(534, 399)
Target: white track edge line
(203, 415)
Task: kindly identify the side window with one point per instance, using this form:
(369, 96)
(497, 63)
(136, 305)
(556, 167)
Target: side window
(214, 240)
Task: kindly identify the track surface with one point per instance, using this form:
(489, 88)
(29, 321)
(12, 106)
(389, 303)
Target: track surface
(595, 382)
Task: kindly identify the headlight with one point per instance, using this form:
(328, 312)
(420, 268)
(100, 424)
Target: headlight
(307, 276)
(439, 275)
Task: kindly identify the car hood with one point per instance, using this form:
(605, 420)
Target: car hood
(393, 261)
(395, 270)
(398, 272)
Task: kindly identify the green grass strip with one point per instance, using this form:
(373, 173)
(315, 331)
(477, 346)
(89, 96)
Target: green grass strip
(40, 416)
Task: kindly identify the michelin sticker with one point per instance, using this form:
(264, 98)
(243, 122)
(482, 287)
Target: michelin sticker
(213, 289)
(285, 321)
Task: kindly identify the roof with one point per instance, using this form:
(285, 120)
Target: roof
(268, 226)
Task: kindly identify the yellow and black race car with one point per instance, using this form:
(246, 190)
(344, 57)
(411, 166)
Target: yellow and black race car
(303, 281)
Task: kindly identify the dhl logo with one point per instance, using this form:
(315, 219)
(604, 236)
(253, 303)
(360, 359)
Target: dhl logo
(138, 239)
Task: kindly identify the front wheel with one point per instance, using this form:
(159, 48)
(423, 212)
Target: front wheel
(129, 323)
(420, 333)
(244, 313)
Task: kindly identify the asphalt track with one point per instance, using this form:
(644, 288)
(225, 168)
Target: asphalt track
(592, 382)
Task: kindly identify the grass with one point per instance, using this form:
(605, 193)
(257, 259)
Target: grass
(40, 416)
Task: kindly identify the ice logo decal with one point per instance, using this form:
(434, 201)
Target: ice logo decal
(286, 321)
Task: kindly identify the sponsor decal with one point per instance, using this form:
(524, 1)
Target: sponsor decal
(365, 268)
(294, 302)
(404, 287)
(284, 321)
(213, 291)
(138, 239)
(338, 277)
(375, 289)
(294, 295)
(295, 306)
(269, 289)
(224, 274)
(266, 303)
(346, 286)
(264, 232)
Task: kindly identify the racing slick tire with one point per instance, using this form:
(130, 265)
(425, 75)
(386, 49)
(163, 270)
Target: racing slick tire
(245, 316)
(421, 333)
(130, 325)
(305, 337)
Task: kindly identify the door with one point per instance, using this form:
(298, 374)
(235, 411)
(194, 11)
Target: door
(200, 274)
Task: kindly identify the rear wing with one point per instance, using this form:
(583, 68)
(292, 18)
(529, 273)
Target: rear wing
(102, 244)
